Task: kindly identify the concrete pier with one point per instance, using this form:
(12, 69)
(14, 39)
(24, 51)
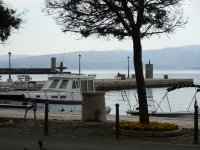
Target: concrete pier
(113, 84)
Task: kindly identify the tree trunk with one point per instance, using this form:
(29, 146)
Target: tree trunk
(143, 108)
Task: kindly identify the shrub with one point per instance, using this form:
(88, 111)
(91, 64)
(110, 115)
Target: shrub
(152, 126)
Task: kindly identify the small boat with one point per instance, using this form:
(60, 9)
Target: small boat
(23, 83)
(14, 92)
(20, 86)
(157, 105)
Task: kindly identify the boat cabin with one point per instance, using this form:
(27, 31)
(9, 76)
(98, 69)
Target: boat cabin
(65, 82)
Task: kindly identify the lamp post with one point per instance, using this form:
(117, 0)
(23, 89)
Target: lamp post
(79, 66)
(9, 79)
(128, 67)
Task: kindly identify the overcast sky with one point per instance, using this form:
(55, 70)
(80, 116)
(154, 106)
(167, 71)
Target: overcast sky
(40, 35)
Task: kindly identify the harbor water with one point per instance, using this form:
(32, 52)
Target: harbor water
(179, 100)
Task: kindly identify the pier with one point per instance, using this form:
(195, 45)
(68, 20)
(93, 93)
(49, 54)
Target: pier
(114, 84)
(27, 71)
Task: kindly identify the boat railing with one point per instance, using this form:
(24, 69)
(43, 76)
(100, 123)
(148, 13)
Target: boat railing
(24, 77)
(125, 98)
(155, 104)
(194, 98)
(161, 101)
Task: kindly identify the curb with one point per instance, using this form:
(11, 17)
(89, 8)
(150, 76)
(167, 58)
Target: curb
(177, 132)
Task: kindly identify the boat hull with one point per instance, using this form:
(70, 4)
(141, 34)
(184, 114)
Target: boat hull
(69, 102)
(14, 96)
(20, 97)
(183, 114)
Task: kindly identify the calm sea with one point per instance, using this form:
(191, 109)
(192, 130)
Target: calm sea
(179, 100)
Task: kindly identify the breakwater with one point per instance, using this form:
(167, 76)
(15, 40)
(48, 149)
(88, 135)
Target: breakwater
(114, 84)
(26, 71)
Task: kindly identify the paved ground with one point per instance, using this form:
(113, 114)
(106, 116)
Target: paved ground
(66, 131)
(52, 143)
(183, 122)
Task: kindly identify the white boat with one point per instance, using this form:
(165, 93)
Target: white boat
(65, 88)
(62, 89)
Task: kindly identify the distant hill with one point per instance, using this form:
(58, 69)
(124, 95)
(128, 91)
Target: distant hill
(175, 57)
(167, 58)
(6, 57)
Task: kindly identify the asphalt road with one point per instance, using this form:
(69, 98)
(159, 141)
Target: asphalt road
(9, 142)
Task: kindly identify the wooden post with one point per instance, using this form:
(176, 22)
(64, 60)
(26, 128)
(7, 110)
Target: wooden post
(117, 120)
(46, 125)
(196, 123)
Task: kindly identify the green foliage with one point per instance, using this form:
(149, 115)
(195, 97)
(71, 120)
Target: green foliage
(9, 20)
(120, 18)
(151, 126)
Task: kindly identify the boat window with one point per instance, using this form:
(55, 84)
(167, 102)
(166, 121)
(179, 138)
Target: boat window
(54, 84)
(64, 84)
(83, 85)
(62, 97)
(75, 84)
(31, 86)
(54, 96)
(90, 85)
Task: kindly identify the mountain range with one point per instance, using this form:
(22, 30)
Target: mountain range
(185, 57)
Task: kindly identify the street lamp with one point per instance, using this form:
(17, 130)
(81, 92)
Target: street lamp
(79, 66)
(128, 67)
(9, 54)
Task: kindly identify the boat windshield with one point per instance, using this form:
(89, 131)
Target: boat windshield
(63, 85)
(75, 84)
(31, 86)
(54, 83)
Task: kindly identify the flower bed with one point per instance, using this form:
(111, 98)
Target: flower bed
(132, 128)
(152, 126)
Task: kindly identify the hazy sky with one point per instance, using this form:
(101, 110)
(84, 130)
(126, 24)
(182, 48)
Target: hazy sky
(41, 35)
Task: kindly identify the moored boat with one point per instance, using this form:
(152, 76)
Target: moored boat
(63, 88)
(157, 109)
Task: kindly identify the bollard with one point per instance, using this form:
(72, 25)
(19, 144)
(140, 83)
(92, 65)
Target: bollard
(46, 119)
(195, 122)
(93, 106)
(117, 120)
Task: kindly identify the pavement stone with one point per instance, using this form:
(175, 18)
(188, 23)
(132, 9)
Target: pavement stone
(69, 126)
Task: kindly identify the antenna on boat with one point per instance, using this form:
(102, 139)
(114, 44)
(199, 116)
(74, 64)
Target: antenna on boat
(61, 67)
(63, 59)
